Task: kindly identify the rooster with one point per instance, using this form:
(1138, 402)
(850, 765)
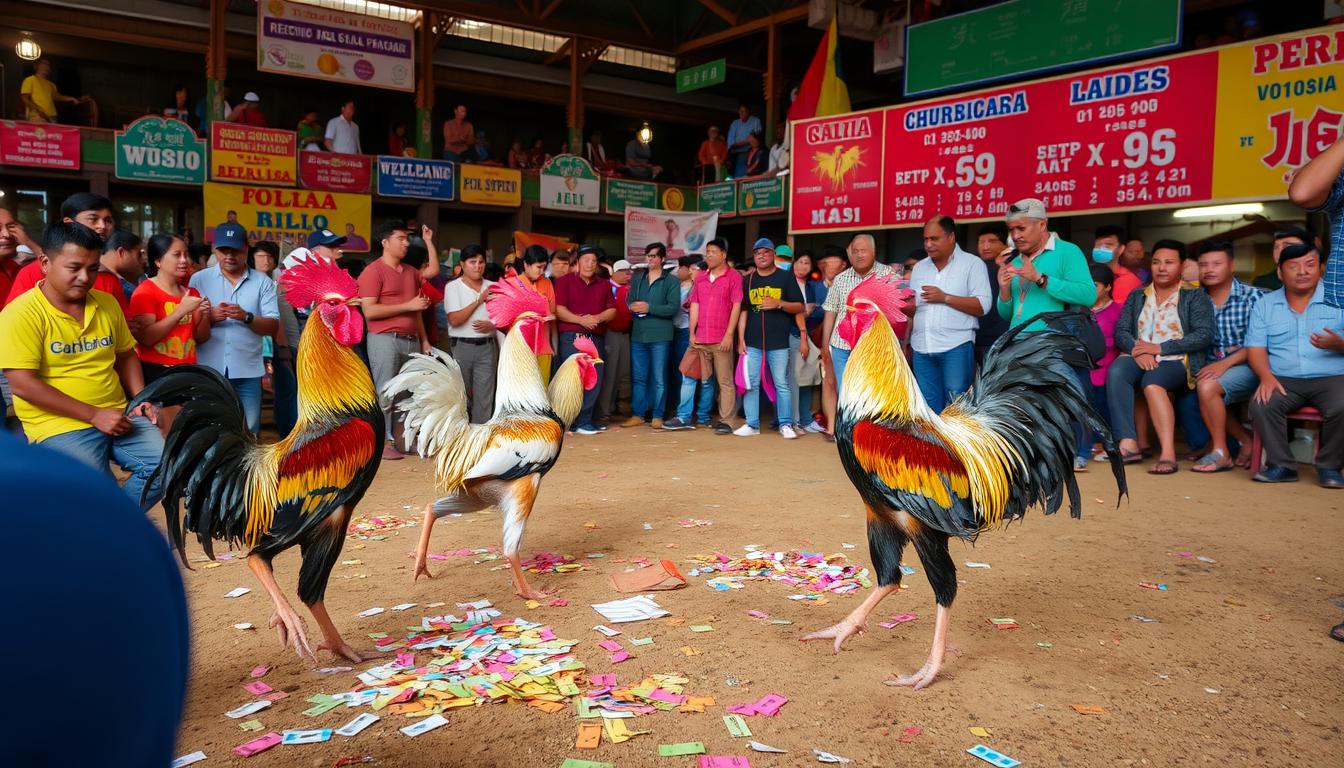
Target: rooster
(301, 490)
(499, 463)
(1004, 446)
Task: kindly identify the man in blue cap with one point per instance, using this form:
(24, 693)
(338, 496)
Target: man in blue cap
(243, 309)
(771, 306)
(326, 244)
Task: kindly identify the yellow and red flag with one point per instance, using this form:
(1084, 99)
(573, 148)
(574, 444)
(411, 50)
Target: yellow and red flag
(823, 91)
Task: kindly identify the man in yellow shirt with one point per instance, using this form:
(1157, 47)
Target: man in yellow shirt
(40, 96)
(70, 360)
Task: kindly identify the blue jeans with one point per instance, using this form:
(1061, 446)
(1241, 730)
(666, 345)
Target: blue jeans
(137, 452)
(249, 391)
(838, 359)
(585, 416)
(286, 406)
(778, 360)
(689, 402)
(942, 376)
(648, 371)
(1191, 421)
(681, 340)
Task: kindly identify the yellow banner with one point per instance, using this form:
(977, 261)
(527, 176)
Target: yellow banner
(1279, 105)
(288, 216)
(490, 185)
(248, 155)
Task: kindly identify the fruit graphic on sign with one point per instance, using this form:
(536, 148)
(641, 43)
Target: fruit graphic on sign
(837, 164)
(327, 64)
(276, 8)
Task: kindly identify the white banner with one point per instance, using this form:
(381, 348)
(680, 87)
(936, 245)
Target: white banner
(682, 232)
(308, 41)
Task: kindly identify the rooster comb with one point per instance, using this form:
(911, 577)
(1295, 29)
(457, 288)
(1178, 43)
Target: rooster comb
(510, 298)
(310, 281)
(885, 294)
(585, 345)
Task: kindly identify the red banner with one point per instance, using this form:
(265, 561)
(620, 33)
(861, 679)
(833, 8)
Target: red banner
(39, 145)
(836, 182)
(1113, 138)
(335, 171)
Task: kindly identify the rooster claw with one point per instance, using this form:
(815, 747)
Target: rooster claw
(345, 651)
(421, 569)
(838, 632)
(290, 630)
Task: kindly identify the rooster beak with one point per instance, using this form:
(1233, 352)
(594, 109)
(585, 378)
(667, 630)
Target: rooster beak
(596, 360)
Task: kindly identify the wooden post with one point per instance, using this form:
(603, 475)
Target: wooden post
(216, 65)
(428, 42)
(772, 83)
(574, 115)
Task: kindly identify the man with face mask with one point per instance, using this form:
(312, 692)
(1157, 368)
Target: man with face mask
(1108, 247)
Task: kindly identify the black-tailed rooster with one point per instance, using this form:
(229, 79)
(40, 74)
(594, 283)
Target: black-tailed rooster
(499, 463)
(301, 490)
(1006, 445)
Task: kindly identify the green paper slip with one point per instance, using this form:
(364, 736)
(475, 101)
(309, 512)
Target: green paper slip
(684, 748)
(573, 763)
(737, 727)
(641, 641)
(701, 628)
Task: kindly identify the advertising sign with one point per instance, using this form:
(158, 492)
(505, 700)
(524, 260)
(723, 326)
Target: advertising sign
(569, 183)
(836, 180)
(721, 197)
(335, 171)
(400, 176)
(288, 216)
(160, 149)
(247, 155)
(622, 194)
(491, 185)
(39, 145)
(327, 44)
(682, 233)
(760, 195)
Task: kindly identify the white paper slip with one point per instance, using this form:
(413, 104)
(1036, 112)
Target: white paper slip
(194, 757)
(353, 727)
(827, 757)
(250, 708)
(371, 612)
(608, 631)
(424, 726)
(237, 592)
(476, 604)
(403, 606)
(973, 564)
(759, 747)
(306, 737)
(631, 609)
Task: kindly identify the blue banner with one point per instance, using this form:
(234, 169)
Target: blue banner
(414, 177)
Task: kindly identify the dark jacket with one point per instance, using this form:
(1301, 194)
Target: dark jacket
(1195, 310)
(664, 298)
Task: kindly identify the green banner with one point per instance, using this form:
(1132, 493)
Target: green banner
(622, 194)
(719, 197)
(760, 195)
(991, 44)
(160, 149)
(702, 75)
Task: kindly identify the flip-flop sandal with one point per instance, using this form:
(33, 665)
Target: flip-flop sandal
(1132, 458)
(1164, 467)
(1208, 465)
(1337, 632)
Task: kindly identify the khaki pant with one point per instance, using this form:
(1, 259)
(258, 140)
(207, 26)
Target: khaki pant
(720, 363)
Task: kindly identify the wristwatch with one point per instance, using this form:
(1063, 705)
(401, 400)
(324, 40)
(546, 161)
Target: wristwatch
(248, 318)
(1042, 280)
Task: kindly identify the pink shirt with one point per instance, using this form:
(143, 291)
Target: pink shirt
(716, 298)
(1106, 318)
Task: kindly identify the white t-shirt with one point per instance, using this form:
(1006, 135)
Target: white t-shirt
(458, 295)
(344, 135)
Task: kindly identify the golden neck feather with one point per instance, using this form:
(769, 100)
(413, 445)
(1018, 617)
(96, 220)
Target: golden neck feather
(566, 391)
(332, 378)
(878, 382)
(519, 386)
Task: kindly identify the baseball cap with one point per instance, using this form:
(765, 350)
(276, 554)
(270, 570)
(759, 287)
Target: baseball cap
(230, 236)
(1026, 208)
(297, 257)
(764, 242)
(784, 252)
(620, 265)
(252, 97)
(325, 237)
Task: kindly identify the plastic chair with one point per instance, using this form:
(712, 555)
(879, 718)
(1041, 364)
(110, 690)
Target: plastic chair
(1307, 414)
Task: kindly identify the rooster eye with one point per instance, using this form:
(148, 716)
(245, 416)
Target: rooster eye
(331, 302)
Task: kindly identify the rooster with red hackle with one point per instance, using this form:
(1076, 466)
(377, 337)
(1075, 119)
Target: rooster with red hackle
(1003, 447)
(301, 490)
(499, 463)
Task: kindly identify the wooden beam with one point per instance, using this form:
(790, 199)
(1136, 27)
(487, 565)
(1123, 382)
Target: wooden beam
(741, 30)
(216, 56)
(561, 54)
(720, 11)
(639, 17)
(555, 4)
(772, 81)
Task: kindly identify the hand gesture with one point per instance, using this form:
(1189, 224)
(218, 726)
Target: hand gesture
(641, 307)
(111, 421)
(483, 326)
(1328, 340)
(727, 344)
(190, 303)
(932, 294)
(588, 321)
(419, 303)
(1268, 386)
(769, 302)
(1146, 361)
(803, 347)
(1145, 348)
(1028, 270)
(217, 313)
(1212, 371)
(234, 311)
(426, 233)
(147, 410)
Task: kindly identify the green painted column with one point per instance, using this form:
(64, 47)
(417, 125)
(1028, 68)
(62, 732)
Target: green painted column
(424, 132)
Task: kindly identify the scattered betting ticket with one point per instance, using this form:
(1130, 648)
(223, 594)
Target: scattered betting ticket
(630, 609)
(425, 726)
(185, 760)
(992, 757)
(353, 727)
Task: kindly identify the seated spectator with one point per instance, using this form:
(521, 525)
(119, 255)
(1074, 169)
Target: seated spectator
(248, 112)
(40, 97)
(1107, 312)
(458, 134)
(517, 155)
(711, 157)
(639, 160)
(757, 155)
(1282, 239)
(70, 360)
(397, 141)
(1295, 344)
(537, 155)
(1108, 247)
(480, 153)
(181, 107)
(1163, 334)
(310, 132)
(596, 154)
(1226, 379)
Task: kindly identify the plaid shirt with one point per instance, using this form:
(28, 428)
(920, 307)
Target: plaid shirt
(838, 297)
(1231, 319)
(1333, 208)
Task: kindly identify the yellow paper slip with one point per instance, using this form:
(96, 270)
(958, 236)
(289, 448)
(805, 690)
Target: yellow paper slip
(617, 732)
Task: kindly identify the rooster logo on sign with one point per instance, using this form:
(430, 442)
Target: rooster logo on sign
(837, 164)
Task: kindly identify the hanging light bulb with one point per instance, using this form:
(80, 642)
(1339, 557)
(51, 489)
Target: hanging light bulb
(27, 48)
(645, 133)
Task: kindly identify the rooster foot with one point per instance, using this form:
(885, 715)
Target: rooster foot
(531, 593)
(918, 680)
(839, 632)
(421, 569)
(339, 647)
(292, 633)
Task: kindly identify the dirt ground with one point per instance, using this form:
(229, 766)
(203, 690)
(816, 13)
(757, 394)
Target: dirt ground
(1237, 670)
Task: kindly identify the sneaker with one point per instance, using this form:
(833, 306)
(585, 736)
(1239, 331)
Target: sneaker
(1079, 464)
(633, 421)
(787, 432)
(746, 430)
(675, 424)
(814, 427)
(1330, 478)
(1276, 474)
(656, 423)
(723, 428)
(588, 429)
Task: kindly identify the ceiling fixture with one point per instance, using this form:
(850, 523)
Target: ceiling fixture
(1213, 211)
(27, 48)
(645, 133)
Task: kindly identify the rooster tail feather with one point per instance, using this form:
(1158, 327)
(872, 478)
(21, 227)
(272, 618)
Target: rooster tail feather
(430, 391)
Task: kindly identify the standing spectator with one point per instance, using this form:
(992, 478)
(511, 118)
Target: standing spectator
(779, 151)
(1107, 313)
(951, 293)
(741, 128)
(537, 156)
(1295, 344)
(616, 354)
(40, 96)
(471, 333)
(248, 112)
(171, 317)
(804, 354)
(711, 157)
(771, 306)
(69, 357)
(584, 304)
(458, 134)
(243, 309)
(681, 331)
(342, 132)
(95, 213)
(397, 141)
(639, 160)
(992, 246)
(480, 152)
(863, 260)
(1226, 379)
(1045, 273)
(832, 262)
(310, 133)
(560, 261)
(278, 351)
(1319, 187)
(204, 109)
(1135, 259)
(715, 304)
(1163, 334)
(1108, 247)
(757, 155)
(1282, 239)
(122, 258)
(181, 107)
(655, 300)
(534, 267)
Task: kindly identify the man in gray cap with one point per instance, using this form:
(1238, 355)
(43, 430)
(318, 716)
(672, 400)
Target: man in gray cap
(1044, 273)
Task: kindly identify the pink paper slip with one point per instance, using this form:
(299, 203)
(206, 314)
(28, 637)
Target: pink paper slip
(609, 645)
(257, 745)
(619, 656)
(405, 659)
(258, 688)
(769, 704)
(723, 761)
(260, 671)
(748, 710)
(604, 680)
(658, 694)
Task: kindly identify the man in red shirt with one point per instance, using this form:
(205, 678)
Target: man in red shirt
(11, 234)
(393, 301)
(584, 304)
(616, 353)
(249, 112)
(716, 302)
(94, 212)
(1107, 246)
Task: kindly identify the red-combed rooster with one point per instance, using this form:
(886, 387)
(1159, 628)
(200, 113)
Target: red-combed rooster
(499, 463)
(1004, 446)
(301, 490)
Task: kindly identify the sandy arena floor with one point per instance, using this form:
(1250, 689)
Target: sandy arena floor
(1238, 670)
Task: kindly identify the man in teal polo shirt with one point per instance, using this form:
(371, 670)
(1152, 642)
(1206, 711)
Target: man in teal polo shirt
(1044, 273)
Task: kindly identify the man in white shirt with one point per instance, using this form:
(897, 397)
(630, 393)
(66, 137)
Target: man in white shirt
(342, 133)
(951, 294)
(471, 335)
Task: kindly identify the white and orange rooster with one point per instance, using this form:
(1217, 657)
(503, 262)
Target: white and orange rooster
(499, 463)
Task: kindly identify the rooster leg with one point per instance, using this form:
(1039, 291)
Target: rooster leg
(929, 671)
(932, 548)
(515, 503)
(856, 622)
(456, 504)
(289, 626)
(331, 637)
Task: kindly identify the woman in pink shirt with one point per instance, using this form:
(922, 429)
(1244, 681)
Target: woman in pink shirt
(1107, 312)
